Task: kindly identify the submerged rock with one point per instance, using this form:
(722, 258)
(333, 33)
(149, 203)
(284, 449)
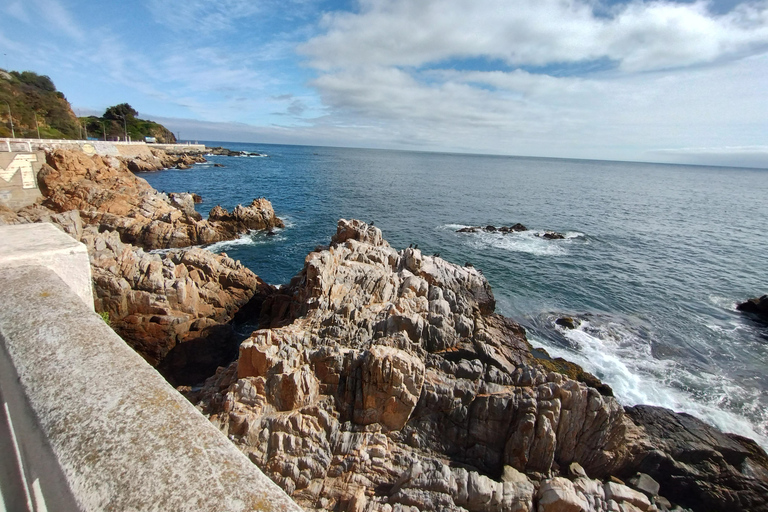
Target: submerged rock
(383, 380)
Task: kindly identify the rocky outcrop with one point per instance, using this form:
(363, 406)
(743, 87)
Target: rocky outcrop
(707, 469)
(161, 159)
(384, 381)
(515, 228)
(109, 196)
(493, 229)
(218, 150)
(757, 306)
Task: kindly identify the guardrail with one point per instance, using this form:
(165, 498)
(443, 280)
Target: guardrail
(87, 425)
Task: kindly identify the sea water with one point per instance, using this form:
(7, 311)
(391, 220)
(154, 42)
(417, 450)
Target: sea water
(653, 261)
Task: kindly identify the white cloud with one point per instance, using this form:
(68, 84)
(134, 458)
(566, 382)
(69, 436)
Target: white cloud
(681, 75)
(639, 35)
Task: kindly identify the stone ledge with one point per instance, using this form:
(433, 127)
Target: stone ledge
(120, 437)
(45, 245)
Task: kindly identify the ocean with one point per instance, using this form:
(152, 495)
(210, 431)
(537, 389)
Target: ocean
(653, 261)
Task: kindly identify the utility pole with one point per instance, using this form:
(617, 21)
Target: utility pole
(125, 128)
(13, 133)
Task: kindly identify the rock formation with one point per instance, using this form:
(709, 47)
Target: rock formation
(109, 196)
(382, 380)
(756, 306)
(493, 229)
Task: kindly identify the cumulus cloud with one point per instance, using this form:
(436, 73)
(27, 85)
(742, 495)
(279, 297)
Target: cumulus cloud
(521, 77)
(638, 36)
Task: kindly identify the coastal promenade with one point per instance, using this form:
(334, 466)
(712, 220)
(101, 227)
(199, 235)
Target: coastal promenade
(85, 423)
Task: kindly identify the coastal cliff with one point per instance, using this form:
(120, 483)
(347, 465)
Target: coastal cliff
(383, 380)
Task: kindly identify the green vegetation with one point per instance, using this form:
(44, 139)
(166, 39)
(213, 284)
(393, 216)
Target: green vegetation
(35, 104)
(105, 316)
(121, 120)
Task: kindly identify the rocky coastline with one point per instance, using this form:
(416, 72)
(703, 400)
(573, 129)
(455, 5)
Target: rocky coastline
(382, 380)
(379, 379)
(174, 308)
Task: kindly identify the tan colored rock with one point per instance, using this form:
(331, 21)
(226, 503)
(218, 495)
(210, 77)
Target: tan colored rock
(391, 386)
(623, 494)
(559, 495)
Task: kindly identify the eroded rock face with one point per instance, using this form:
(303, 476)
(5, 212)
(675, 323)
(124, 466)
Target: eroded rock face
(157, 303)
(108, 195)
(385, 381)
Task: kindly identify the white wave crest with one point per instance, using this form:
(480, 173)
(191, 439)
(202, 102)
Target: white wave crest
(623, 360)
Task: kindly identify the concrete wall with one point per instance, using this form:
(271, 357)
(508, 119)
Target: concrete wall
(45, 245)
(97, 147)
(18, 178)
(94, 427)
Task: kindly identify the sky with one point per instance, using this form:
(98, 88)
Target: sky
(665, 81)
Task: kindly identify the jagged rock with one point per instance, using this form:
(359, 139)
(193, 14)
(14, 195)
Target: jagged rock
(559, 495)
(479, 424)
(108, 195)
(395, 363)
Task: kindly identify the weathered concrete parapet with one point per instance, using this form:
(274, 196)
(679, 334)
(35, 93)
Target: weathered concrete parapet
(95, 427)
(44, 244)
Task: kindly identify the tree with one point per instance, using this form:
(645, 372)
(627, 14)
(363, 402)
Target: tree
(120, 112)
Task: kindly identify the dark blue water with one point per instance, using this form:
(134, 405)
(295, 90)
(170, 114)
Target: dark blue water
(654, 260)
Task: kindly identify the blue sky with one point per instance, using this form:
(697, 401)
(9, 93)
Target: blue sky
(630, 80)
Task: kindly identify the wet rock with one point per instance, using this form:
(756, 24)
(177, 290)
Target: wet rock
(756, 306)
(566, 321)
(551, 235)
(699, 466)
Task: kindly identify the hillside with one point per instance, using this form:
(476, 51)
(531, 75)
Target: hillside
(35, 104)
(120, 121)
(31, 96)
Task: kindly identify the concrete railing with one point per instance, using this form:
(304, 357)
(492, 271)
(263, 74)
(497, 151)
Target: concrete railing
(17, 144)
(86, 424)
